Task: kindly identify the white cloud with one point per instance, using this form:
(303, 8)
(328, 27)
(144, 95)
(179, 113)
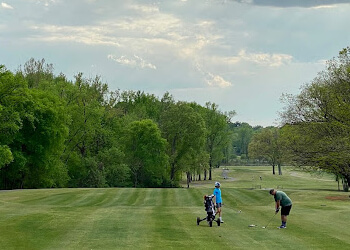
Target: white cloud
(144, 8)
(217, 81)
(324, 7)
(213, 80)
(134, 62)
(6, 6)
(233, 66)
(272, 60)
(322, 62)
(47, 3)
(91, 35)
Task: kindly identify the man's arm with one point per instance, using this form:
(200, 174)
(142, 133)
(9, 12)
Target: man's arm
(214, 196)
(278, 203)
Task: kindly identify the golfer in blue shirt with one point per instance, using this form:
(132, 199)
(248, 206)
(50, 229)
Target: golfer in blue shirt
(218, 199)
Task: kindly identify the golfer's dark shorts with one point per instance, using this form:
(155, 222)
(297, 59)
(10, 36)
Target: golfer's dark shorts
(218, 205)
(286, 210)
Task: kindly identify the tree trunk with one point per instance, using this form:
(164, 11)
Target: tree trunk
(338, 183)
(188, 179)
(273, 170)
(172, 172)
(205, 174)
(345, 181)
(210, 173)
(279, 169)
(135, 182)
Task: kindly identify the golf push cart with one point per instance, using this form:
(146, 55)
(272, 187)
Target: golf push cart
(210, 209)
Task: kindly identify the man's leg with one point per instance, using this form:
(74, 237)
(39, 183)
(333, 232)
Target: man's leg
(219, 212)
(284, 219)
(284, 213)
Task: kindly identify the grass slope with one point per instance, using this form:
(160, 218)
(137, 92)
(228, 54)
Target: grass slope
(123, 218)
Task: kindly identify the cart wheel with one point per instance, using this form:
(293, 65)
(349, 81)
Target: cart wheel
(218, 221)
(198, 220)
(210, 222)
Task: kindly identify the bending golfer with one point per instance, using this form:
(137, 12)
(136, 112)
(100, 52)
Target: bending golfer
(218, 199)
(282, 200)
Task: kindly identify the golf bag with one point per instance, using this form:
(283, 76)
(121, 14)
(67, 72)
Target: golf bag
(210, 209)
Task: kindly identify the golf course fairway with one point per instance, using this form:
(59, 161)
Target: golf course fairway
(127, 218)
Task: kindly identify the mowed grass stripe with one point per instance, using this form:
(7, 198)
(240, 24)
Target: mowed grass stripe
(167, 228)
(175, 226)
(322, 222)
(243, 197)
(152, 197)
(113, 228)
(188, 198)
(39, 226)
(197, 197)
(137, 197)
(90, 197)
(113, 197)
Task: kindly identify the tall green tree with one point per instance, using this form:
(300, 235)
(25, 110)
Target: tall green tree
(139, 105)
(145, 152)
(12, 92)
(243, 133)
(318, 120)
(218, 135)
(184, 130)
(38, 144)
(267, 144)
(38, 73)
(85, 107)
(32, 134)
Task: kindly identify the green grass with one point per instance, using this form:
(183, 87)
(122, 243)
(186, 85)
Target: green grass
(125, 218)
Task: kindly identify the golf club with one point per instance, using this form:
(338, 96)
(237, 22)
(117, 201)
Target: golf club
(269, 221)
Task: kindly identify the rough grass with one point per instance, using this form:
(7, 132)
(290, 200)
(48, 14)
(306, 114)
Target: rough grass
(123, 218)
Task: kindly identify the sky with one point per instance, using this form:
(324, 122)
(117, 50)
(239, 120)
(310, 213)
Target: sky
(239, 54)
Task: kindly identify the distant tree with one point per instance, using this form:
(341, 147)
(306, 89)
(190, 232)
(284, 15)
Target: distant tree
(267, 144)
(139, 105)
(37, 73)
(116, 171)
(243, 133)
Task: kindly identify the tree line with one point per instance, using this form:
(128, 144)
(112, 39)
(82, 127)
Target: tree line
(60, 133)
